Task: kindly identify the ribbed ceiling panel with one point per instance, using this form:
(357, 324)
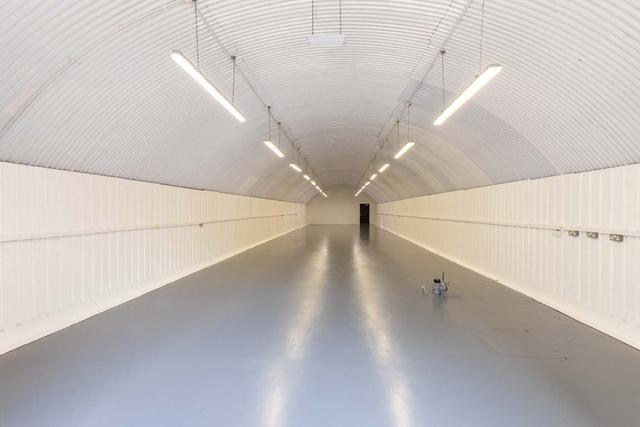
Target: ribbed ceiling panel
(90, 86)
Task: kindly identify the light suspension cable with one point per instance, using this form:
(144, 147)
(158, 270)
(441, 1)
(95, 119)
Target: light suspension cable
(293, 165)
(268, 142)
(406, 147)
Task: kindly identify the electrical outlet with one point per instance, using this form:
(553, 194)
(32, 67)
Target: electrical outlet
(592, 234)
(616, 237)
(573, 233)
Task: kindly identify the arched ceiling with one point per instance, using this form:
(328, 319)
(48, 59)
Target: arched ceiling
(90, 86)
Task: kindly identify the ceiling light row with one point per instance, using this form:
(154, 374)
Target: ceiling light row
(194, 71)
(482, 79)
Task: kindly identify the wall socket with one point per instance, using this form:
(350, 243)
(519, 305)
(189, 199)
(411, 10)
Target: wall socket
(573, 233)
(616, 237)
(592, 234)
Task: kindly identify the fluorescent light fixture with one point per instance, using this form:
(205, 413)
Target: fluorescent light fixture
(404, 149)
(325, 40)
(373, 176)
(383, 168)
(274, 149)
(367, 183)
(306, 177)
(313, 183)
(295, 167)
(186, 65)
(485, 77)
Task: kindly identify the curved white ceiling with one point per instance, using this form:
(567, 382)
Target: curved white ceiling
(90, 86)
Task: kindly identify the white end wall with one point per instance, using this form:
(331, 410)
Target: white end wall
(508, 233)
(340, 207)
(73, 245)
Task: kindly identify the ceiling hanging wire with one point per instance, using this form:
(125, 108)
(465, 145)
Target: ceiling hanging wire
(313, 11)
(306, 170)
(195, 16)
(444, 101)
(269, 120)
(409, 121)
(481, 35)
(233, 81)
(410, 143)
(268, 142)
(293, 165)
(340, 16)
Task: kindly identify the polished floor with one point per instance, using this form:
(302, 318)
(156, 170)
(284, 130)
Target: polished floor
(326, 326)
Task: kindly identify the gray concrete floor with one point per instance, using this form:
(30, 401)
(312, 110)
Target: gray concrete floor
(325, 326)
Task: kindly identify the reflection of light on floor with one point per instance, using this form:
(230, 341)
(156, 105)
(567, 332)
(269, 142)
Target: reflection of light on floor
(284, 372)
(399, 399)
(276, 396)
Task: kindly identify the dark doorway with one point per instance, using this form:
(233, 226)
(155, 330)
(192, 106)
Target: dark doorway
(364, 214)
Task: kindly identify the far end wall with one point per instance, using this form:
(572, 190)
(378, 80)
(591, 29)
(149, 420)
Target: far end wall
(340, 207)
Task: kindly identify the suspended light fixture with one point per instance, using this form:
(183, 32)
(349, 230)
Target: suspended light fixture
(293, 165)
(274, 149)
(367, 183)
(206, 84)
(373, 176)
(409, 143)
(194, 72)
(268, 142)
(306, 170)
(478, 83)
(313, 183)
(383, 168)
(404, 149)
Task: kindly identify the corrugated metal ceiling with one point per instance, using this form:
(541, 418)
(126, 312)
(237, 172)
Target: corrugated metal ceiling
(89, 86)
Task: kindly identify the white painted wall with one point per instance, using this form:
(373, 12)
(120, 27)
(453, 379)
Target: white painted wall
(340, 207)
(73, 245)
(506, 232)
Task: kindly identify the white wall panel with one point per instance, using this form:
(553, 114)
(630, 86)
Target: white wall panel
(510, 232)
(72, 245)
(340, 207)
